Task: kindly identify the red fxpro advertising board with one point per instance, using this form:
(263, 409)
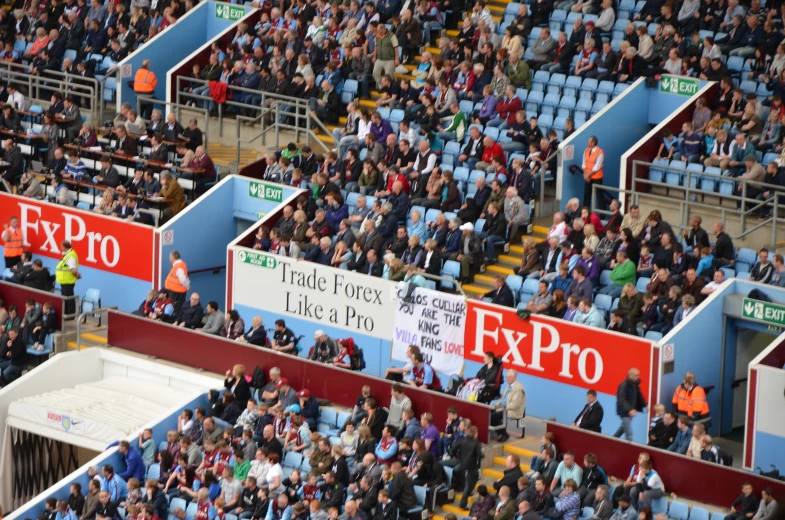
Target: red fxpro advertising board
(104, 243)
(553, 349)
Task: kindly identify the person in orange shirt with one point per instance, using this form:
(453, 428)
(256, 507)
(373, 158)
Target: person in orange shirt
(13, 242)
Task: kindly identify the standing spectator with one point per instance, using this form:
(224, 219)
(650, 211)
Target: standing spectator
(629, 401)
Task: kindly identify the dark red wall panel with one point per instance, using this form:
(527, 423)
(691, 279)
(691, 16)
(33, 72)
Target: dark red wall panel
(217, 355)
(685, 476)
(15, 294)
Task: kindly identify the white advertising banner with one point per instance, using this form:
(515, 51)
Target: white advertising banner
(305, 290)
(433, 321)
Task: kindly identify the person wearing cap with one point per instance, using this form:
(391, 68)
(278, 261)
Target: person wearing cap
(324, 349)
(625, 511)
(309, 408)
(469, 249)
(286, 394)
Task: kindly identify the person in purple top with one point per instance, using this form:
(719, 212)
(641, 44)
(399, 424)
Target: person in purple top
(590, 264)
(380, 128)
(430, 434)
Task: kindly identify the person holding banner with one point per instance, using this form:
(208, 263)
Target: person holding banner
(513, 400)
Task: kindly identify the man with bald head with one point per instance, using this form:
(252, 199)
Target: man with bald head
(629, 401)
(191, 316)
(513, 399)
(202, 161)
(270, 442)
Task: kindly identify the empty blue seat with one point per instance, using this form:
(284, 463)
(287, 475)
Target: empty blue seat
(699, 513)
(657, 174)
(655, 336)
(606, 87)
(557, 78)
(515, 283)
(461, 174)
(748, 86)
(603, 302)
(678, 510)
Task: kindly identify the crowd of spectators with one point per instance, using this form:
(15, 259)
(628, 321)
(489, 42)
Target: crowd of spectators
(629, 274)
(20, 330)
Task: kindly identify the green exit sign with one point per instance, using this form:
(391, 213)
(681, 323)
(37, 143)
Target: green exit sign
(226, 11)
(679, 85)
(765, 312)
(257, 259)
(264, 191)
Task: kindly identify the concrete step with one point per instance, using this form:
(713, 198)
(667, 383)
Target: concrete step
(493, 473)
(455, 509)
(521, 452)
(502, 461)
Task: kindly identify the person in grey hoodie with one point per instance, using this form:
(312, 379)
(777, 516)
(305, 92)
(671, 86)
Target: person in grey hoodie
(215, 320)
(398, 403)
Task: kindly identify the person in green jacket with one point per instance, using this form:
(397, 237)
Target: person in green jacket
(518, 72)
(457, 126)
(623, 273)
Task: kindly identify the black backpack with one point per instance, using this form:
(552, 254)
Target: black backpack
(358, 359)
(259, 377)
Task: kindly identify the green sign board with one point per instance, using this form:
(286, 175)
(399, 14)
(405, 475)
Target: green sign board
(763, 311)
(260, 190)
(679, 85)
(258, 259)
(228, 11)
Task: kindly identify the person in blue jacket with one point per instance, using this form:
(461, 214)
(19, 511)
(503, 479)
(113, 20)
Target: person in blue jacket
(682, 441)
(309, 408)
(134, 465)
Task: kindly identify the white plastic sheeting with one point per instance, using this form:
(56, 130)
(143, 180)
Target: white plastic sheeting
(93, 415)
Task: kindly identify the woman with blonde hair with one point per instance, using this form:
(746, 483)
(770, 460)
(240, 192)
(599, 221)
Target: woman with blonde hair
(236, 383)
(107, 204)
(300, 228)
(590, 238)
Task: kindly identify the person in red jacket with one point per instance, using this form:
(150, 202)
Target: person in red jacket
(490, 150)
(506, 107)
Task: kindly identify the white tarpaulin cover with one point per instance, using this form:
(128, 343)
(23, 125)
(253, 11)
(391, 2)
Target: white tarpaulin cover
(93, 415)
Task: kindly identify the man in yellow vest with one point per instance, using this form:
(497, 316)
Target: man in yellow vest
(144, 85)
(66, 274)
(13, 242)
(177, 282)
(593, 164)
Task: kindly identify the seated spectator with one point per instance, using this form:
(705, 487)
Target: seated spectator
(745, 505)
(324, 349)
(719, 279)
(234, 326)
(663, 428)
(589, 315)
(192, 315)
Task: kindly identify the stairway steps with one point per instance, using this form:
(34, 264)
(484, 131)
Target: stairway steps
(521, 452)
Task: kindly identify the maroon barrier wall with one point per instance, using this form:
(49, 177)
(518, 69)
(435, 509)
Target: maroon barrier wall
(775, 358)
(254, 170)
(685, 476)
(203, 57)
(217, 355)
(15, 294)
(647, 151)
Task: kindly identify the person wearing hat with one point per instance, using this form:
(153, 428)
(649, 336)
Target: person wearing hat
(286, 395)
(309, 408)
(324, 349)
(625, 511)
(469, 249)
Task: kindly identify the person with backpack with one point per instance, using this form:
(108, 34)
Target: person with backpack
(710, 452)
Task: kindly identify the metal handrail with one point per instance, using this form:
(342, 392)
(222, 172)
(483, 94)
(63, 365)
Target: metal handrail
(84, 315)
(71, 83)
(686, 205)
(178, 108)
(102, 84)
(440, 278)
(298, 110)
